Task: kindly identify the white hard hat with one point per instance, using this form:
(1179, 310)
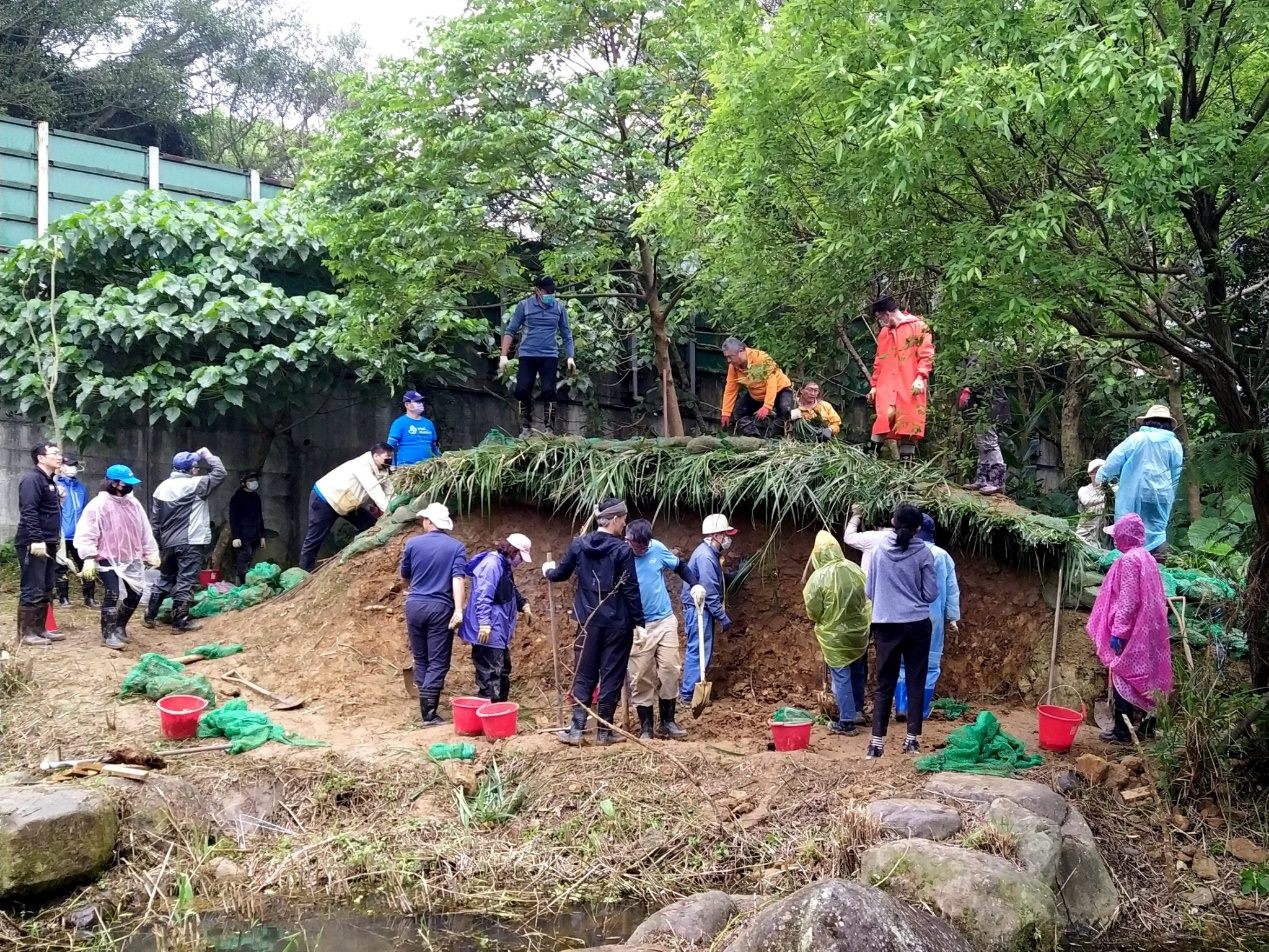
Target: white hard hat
(716, 523)
(1096, 464)
(522, 543)
(438, 515)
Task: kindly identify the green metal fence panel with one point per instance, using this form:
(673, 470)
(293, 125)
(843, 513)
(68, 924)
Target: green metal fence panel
(269, 190)
(200, 180)
(128, 162)
(74, 185)
(17, 136)
(17, 170)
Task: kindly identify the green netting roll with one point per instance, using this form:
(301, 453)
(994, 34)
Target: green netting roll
(266, 572)
(291, 578)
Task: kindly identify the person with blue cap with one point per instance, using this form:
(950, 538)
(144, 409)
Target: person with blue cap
(116, 542)
(412, 436)
(945, 612)
(1148, 466)
(182, 525)
(544, 318)
(74, 495)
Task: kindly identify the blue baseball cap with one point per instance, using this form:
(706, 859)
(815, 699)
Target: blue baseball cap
(184, 461)
(412, 396)
(121, 474)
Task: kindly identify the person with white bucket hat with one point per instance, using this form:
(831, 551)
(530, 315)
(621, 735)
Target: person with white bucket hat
(1148, 467)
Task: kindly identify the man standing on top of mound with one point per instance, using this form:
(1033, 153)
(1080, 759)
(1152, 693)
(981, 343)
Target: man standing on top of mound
(813, 418)
(706, 564)
(544, 318)
(356, 490)
(182, 527)
(1148, 466)
(900, 375)
(654, 661)
(412, 436)
(767, 390)
(435, 565)
(609, 612)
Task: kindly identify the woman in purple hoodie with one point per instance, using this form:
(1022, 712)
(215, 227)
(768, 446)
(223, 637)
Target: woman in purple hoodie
(902, 584)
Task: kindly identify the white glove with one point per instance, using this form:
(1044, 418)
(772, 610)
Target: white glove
(640, 633)
(39, 550)
(795, 413)
(89, 572)
(954, 625)
(154, 561)
(698, 595)
(547, 568)
(572, 366)
(262, 543)
(503, 361)
(856, 510)
(237, 543)
(456, 619)
(918, 385)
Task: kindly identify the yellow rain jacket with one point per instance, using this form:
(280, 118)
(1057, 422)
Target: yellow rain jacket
(836, 603)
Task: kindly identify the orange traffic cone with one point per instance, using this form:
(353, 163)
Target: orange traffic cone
(50, 620)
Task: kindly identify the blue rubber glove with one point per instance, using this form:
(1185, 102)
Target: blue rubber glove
(725, 622)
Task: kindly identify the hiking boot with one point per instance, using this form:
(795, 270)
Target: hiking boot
(973, 486)
(873, 752)
(668, 728)
(428, 704)
(180, 617)
(912, 746)
(645, 722)
(843, 728)
(989, 490)
(577, 729)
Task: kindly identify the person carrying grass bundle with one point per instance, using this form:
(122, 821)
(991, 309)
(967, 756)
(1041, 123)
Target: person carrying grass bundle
(489, 623)
(767, 390)
(609, 611)
(836, 602)
(814, 418)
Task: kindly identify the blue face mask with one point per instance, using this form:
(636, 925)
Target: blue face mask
(548, 299)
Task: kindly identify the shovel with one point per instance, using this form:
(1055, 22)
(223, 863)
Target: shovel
(826, 699)
(279, 703)
(702, 688)
(1104, 709)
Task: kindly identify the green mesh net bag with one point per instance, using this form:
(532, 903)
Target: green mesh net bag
(246, 729)
(155, 676)
(265, 573)
(791, 715)
(216, 650)
(291, 578)
(981, 748)
(498, 437)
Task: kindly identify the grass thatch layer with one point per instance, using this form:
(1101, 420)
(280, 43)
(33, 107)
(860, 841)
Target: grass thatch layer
(780, 481)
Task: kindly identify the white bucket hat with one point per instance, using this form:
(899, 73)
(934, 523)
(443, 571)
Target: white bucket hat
(1157, 412)
(716, 523)
(1095, 464)
(438, 515)
(523, 545)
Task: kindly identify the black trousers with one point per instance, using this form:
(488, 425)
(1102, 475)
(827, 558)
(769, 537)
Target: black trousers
(321, 518)
(747, 423)
(243, 557)
(493, 671)
(178, 574)
(603, 654)
(38, 577)
(431, 642)
(544, 370)
(907, 642)
(63, 573)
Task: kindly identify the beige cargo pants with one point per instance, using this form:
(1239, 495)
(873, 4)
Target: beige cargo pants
(655, 668)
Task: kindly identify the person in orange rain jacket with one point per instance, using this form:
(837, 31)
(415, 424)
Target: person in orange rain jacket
(900, 376)
(768, 398)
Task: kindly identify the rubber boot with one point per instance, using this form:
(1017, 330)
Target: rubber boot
(180, 617)
(429, 701)
(645, 722)
(63, 589)
(31, 627)
(1119, 735)
(577, 729)
(504, 688)
(526, 419)
(548, 419)
(123, 614)
(151, 617)
(110, 636)
(90, 594)
(669, 729)
(606, 736)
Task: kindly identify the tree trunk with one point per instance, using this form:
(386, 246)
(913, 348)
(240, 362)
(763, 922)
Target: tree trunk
(1193, 498)
(1254, 607)
(1072, 410)
(660, 340)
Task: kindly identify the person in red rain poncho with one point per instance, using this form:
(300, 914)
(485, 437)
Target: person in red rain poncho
(900, 375)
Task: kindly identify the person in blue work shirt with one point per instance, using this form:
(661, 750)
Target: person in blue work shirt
(543, 318)
(945, 612)
(74, 496)
(706, 564)
(1148, 466)
(654, 668)
(412, 436)
(435, 565)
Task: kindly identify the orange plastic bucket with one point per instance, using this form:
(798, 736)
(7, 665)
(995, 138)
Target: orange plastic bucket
(1058, 725)
(466, 723)
(499, 720)
(179, 714)
(794, 736)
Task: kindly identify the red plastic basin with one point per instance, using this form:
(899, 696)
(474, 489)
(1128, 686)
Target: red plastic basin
(208, 577)
(466, 723)
(179, 714)
(795, 736)
(499, 720)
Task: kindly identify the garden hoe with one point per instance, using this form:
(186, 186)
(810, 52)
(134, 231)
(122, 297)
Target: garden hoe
(702, 688)
(279, 703)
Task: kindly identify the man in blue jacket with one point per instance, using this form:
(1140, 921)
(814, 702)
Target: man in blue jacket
(1148, 466)
(706, 564)
(543, 318)
(412, 435)
(74, 495)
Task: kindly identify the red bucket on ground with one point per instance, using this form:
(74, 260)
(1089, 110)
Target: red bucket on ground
(208, 577)
(794, 736)
(466, 723)
(1058, 726)
(179, 714)
(499, 720)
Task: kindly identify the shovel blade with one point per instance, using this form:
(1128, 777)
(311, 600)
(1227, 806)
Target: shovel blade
(288, 704)
(1104, 716)
(407, 676)
(700, 697)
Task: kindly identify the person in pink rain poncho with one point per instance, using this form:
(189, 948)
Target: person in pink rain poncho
(1129, 628)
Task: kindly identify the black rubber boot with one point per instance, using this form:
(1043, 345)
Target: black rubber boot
(1119, 735)
(110, 634)
(31, 627)
(151, 617)
(526, 419)
(504, 687)
(123, 615)
(577, 729)
(668, 728)
(606, 736)
(180, 617)
(645, 722)
(428, 703)
(548, 419)
(90, 594)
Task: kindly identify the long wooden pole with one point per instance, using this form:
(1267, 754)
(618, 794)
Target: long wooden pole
(1057, 618)
(555, 648)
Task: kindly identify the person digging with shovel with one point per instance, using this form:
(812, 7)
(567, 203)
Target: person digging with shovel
(836, 603)
(608, 611)
(707, 565)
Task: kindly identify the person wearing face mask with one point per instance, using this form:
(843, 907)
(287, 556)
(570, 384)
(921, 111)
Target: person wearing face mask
(116, 542)
(36, 541)
(544, 318)
(246, 523)
(412, 435)
(900, 376)
(434, 564)
(489, 623)
(706, 564)
(357, 490)
(74, 495)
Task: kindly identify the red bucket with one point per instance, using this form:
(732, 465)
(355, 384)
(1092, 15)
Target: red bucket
(499, 720)
(466, 723)
(794, 736)
(208, 577)
(179, 714)
(1058, 725)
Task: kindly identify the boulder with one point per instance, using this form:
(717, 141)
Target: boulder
(927, 819)
(838, 916)
(1036, 797)
(1039, 840)
(53, 836)
(1086, 888)
(696, 919)
(998, 906)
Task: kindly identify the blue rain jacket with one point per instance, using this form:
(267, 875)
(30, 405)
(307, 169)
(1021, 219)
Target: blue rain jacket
(945, 608)
(74, 497)
(1148, 465)
(494, 601)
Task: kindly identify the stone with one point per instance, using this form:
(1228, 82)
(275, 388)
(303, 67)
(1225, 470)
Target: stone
(696, 920)
(927, 819)
(834, 915)
(1092, 768)
(1086, 890)
(1180, 822)
(998, 906)
(746, 903)
(1036, 797)
(227, 871)
(1204, 867)
(1244, 903)
(53, 836)
(1066, 782)
(1133, 764)
(1199, 897)
(1039, 840)
(1244, 849)
(1117, 777)
(83, 919)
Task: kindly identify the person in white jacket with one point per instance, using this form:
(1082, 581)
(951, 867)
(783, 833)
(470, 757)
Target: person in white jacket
(356, 490)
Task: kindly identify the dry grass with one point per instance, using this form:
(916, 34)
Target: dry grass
(995, 839)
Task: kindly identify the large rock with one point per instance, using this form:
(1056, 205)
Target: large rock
(838, 916)
(999, 906)
(1086, 888)
(927, 819)
(1036, 797)
(1039, 840)
(53, 836)
(696, 919)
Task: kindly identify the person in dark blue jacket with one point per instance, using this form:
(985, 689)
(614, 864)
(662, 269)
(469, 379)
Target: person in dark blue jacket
(412, 436)
(543, 318)
(74, 496)
(706, 564)
(489, 623)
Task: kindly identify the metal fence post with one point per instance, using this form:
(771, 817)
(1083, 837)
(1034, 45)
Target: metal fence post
(41, 178)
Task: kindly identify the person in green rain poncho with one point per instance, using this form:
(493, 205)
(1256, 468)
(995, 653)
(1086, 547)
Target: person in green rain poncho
(836, 603)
